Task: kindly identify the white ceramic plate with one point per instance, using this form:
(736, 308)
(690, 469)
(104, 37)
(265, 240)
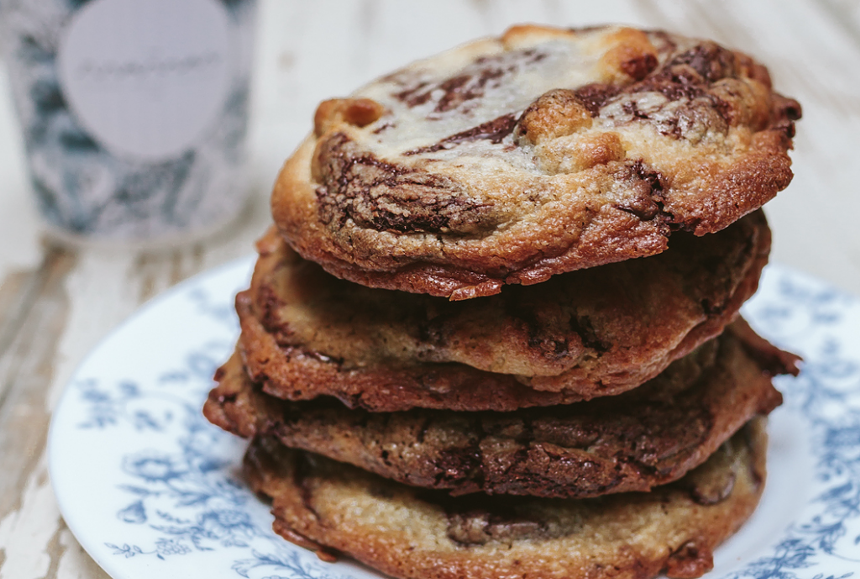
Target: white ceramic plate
(150, 489)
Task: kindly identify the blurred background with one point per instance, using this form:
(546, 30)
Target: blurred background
(57, 303)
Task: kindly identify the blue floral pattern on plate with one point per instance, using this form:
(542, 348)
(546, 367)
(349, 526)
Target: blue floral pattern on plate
(142, 477)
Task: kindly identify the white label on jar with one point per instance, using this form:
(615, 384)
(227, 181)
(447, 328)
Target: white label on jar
(147, 77)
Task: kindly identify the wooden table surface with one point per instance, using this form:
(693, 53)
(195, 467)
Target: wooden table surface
(56, 304)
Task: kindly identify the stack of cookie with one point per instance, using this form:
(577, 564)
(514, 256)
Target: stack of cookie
(451, 365)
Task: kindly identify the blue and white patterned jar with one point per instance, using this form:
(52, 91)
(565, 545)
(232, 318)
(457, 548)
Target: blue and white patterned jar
(134, 113)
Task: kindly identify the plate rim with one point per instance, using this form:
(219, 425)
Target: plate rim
(246, 263)
(139, 312)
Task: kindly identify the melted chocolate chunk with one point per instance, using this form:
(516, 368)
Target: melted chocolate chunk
(686, 77)
(464, 88)
(414, 96)
(383, 127)
(640, 67)
(479, 528)
(585, 329)
(654, 179)
(689, 561)
(456, 92)
(494, 131)
(710, 60)
(458, 464)
(387, 197)
(672, 84)
(648, 204)
(479, 519)
(485, 73)
(714, 491)
(595, 95)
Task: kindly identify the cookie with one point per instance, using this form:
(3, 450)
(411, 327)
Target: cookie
(512, 159)
(414, 533)
(582, 334)
(632, 442)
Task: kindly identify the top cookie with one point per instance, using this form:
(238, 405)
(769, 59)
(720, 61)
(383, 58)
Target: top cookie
(510, 160)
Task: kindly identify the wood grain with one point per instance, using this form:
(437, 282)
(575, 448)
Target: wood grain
(70, 303)
(26, 369)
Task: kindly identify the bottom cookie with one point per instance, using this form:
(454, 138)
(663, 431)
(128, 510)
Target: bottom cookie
(413, 533)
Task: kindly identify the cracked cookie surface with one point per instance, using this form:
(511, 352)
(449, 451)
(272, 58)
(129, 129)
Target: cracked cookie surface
(632, 442)
(414, 533)
(509, 160)
(580, 335)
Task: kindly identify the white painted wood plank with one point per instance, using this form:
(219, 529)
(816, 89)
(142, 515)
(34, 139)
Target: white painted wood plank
(101, 291)
(19, 243)
(26, 532)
